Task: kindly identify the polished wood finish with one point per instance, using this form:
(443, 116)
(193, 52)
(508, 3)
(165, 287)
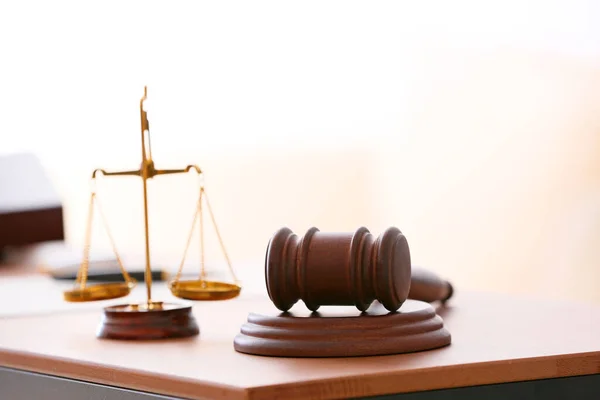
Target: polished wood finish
(344, 332)
(347, 268)
(496, 338)
(140, 322)
(427, 286)
(323, 268)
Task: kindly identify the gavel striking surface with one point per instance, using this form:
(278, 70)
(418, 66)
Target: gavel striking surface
(344, 332)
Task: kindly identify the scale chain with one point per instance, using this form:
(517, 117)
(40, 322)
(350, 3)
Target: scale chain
(112, 241)
(82, 273)
(212, 217)
(199, 215)
(202, 265)
(189, 238)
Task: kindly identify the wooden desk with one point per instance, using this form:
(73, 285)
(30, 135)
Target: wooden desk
(496, 339)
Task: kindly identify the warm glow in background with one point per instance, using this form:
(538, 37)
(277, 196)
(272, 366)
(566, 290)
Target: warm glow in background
(472, 126)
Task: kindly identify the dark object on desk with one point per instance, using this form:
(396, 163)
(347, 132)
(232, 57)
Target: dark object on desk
(30, 208)
(105, 271)
(371, 274)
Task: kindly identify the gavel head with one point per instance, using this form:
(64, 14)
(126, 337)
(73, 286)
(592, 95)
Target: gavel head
(339, 269)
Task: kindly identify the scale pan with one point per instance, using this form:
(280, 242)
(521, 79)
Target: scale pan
(204, 290)
(101, 291)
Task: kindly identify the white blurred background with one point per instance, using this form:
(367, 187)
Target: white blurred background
(472, 126)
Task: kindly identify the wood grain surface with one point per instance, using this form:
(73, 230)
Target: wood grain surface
(376, 331)
(495, 338)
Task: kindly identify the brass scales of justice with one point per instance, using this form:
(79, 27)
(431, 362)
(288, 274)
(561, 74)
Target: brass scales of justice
(151, 319)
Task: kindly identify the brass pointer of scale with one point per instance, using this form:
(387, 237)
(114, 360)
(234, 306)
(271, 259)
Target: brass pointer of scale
(152, 319)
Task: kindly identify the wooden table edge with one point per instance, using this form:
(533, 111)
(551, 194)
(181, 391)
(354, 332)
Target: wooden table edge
(442, 377)
(373, 384)
(128, 379)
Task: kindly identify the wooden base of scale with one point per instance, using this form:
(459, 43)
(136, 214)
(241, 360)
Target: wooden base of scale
(144, 322)
(344, 332)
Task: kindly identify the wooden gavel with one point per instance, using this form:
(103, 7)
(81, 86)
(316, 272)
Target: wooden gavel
(352, 268)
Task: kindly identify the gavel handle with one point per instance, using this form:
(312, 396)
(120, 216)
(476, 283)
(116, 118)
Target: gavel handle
(427, 286)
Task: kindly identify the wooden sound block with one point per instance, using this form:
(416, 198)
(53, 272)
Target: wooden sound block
(140, 322)
(344, 332)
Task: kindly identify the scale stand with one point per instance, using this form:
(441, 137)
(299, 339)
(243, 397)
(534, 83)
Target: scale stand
(152, 319)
